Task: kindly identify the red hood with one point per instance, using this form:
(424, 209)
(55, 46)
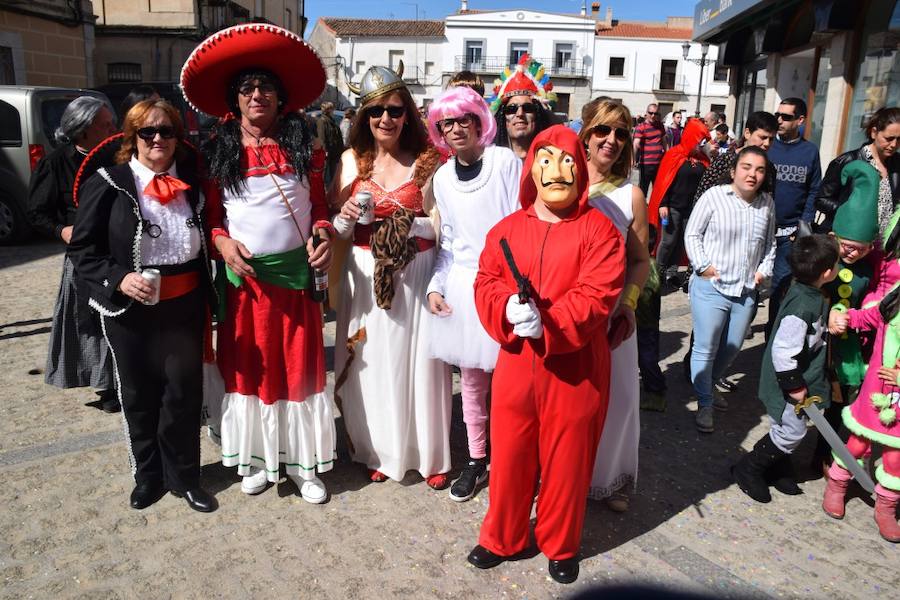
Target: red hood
(694, 132)
(565, 139)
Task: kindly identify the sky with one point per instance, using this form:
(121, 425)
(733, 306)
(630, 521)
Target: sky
(644, 10)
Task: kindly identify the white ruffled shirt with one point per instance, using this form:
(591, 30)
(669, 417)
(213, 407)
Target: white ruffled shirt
(177, 243)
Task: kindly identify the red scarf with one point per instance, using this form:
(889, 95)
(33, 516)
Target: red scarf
(164, 188)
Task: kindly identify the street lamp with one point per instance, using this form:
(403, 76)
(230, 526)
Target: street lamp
(704, 49)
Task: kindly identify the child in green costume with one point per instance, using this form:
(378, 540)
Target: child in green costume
(855, 227)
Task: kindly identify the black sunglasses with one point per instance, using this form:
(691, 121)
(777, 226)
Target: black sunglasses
(394, 112)
(785, 116)
(529, 108)
(265, 89)
(605, 130)
(465, 121)
(166, 132)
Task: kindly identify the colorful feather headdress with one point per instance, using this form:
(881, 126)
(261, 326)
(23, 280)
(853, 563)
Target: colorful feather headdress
(527, 77)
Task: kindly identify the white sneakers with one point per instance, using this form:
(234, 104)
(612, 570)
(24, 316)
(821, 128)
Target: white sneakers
(254, 483)
(311, 490)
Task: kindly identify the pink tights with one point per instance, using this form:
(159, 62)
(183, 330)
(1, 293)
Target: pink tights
(859, 447)
(475, 387)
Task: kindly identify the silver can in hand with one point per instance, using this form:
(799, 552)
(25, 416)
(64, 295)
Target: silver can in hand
(153, 277)
(366, 210)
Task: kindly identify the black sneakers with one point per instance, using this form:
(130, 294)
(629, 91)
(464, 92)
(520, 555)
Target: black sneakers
(474, 473)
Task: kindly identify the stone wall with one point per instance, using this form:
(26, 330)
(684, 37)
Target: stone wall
(48, 52)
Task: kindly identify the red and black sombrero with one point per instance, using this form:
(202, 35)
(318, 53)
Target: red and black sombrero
(209, 69)
(103, 155)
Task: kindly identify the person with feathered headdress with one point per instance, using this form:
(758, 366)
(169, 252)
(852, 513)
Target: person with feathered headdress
(522, 100)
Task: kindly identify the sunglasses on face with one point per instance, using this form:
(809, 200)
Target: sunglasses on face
(465, 121)
(785, 117)
(148, 134)
(651, 113)
(529, 108)
(394, 112)
(266, 89)
(605, 130)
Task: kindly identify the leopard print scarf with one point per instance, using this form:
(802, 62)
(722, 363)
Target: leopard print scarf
(392, 249)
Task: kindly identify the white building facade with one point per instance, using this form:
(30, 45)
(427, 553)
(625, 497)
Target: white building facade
(586, 56)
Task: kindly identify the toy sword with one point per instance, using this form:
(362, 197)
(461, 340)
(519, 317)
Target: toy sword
(521, 281)
(812, 411)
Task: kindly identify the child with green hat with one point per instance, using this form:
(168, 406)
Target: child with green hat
(856, 228)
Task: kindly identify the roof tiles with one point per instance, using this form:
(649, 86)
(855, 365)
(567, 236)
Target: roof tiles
(383, 27)
(625, 29)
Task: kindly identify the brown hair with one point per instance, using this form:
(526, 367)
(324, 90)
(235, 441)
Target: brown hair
(882, 118)
(413, 138)
(467, 79)
(614, 114)
(134, 120)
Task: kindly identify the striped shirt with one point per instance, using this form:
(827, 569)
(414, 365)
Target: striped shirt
(735, 236)
(650, 136)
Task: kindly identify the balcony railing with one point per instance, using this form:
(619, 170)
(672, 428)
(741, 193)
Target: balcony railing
(495, 64)
(670, 83)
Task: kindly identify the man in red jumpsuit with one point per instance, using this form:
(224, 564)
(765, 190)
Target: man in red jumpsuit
(551, 384)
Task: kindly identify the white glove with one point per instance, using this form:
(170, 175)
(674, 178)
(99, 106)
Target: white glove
(525, 318)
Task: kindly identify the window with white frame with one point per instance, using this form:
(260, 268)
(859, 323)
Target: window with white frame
(360, 67)
(394, 58)
(617, 66)
(667, 71)
(474, 55)
(429, 68)
(720, 73)
(516, 50)
(563, 56)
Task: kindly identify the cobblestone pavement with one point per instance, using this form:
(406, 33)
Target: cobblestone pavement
(68, 532)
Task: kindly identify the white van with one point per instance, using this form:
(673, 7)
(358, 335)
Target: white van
(28, 118)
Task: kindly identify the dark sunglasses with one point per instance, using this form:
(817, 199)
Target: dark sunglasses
(394, 112)
(785, 116)
(529, 108)
(465, 121)
(652, 112)
(166, 132)
(266, 89)
(605, 130)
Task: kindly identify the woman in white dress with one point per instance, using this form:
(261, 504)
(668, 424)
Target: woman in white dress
(608, 138)
(394, 397)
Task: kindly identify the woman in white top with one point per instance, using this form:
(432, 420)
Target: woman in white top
(609, 144)
(474, 190)
(730, 241)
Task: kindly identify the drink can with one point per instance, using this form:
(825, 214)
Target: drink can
(665, 221)
(153, 277)
(364, 202)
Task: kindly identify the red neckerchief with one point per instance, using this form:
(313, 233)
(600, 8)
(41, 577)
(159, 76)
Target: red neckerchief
(164, 188)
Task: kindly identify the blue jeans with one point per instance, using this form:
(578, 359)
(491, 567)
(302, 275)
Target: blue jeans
(720, 324)
(781, 279)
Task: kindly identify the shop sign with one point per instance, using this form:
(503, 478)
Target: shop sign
(710, 15)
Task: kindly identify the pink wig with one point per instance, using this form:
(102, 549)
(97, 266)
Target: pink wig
(455, 102)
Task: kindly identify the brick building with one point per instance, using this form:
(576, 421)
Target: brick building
(50, 42)
(150, 40)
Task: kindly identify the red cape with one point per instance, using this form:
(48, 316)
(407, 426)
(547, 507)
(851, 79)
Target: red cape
(694, 132)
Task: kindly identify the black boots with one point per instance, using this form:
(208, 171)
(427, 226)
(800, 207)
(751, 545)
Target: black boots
(750, 471)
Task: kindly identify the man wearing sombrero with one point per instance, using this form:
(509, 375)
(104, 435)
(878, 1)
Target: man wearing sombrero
(266, 203)
(521, 102)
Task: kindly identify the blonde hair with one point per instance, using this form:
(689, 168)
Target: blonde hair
(614, 114)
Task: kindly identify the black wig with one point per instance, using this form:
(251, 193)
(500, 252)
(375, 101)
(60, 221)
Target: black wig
(223, 149)
(543, 119)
